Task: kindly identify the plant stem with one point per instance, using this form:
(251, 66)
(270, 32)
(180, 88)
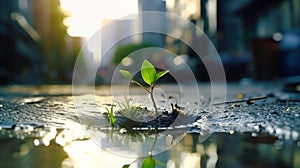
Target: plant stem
(138, 83)
(150, 91)
(152, 99)
(154, 142)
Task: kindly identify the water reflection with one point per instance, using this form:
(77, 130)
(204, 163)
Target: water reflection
(70, 148)
(87, 154)
(23, 153)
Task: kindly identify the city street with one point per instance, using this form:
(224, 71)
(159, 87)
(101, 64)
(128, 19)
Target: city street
(253, 114)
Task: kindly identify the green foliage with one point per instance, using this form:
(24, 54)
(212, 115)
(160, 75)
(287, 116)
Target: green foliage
(161, 74)
(149, 75)
(148, 162)
(123, 51)
(148, 72)
(126, 74)
(110, 112)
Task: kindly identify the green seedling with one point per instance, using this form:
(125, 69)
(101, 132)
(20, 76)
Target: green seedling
(149, 76)
(110, 112)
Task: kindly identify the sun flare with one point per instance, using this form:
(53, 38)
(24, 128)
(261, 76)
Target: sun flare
(84, 17)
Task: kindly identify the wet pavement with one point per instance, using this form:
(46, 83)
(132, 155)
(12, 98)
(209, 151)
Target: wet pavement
(276, 113)
(260, 113)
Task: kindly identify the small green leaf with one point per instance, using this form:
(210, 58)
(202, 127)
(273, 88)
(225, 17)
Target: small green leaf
(112, 118)
(126, 166)
(111, 115)
(161, 74)
(148, 162)
(148, 72)
(126, 74)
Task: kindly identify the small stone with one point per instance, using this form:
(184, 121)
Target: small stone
(235, 105)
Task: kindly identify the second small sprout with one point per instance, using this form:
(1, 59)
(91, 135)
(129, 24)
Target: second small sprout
(110, 112)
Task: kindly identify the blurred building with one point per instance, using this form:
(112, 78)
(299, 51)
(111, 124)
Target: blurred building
(48, 21)
(149, 22)
(265, 26)
(19, 44)
(34, 42)
(243, 32)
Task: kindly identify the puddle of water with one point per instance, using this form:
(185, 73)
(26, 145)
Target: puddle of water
(219, 150)
(16, 152)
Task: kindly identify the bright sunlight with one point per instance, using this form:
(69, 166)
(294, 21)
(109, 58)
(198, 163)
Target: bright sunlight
(85, 17)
